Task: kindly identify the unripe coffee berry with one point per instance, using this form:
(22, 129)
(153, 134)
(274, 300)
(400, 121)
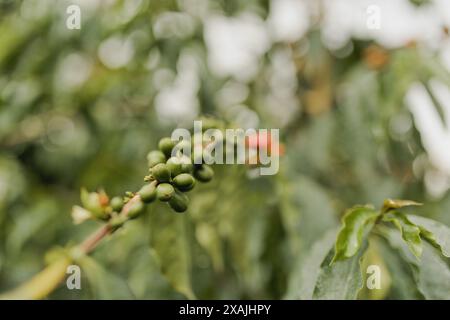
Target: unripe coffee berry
(117, 222)
(210, 123)
(117, 204)
(135, 209)
(184, 182)
(148, 192)
(154, 157)
(204, 173)
(161, 172)
(186, 164)
(164, 191)
(175, 166)
(179, 202)
(166, 145)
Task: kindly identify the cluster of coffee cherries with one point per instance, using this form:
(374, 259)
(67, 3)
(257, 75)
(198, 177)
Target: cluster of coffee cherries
(170, 177)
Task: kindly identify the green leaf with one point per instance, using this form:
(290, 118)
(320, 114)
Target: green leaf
(390, 204)
(169, 243)
(341, 280)
(303, 279)
(307, 211)
(403, 285)
(410, 232)
(434, 232)
(431, 273)
(208, 237)
(356, 224)
(434, 275)
(105, 285)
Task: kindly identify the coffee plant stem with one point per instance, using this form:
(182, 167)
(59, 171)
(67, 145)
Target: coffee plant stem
(42, 284)
(96, 237)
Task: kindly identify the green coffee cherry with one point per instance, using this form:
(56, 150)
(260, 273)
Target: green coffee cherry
(116, 204)
(179, 202)
(210, 123)
(204, 173)
(161, 172)
(184, 182)
(117, 222)
(175, 166)
(166, 145)
(148, 192)
(164, 191)
(129, 194)
(186, 164)
(154, 157)
(136, 209)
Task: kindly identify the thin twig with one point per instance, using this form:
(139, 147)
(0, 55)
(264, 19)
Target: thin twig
(93, 240)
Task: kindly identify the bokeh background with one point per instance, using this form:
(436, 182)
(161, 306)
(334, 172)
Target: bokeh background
(363, 112)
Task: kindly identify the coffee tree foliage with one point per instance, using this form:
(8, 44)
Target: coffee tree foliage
(290, 235)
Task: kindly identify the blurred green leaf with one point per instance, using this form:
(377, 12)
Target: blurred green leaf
(303, 279)
(403, 285)
(306, 209)
(104, 284)
(170, 244)
(434, 275)
(208, 237)
(431, 273)
(42, 212)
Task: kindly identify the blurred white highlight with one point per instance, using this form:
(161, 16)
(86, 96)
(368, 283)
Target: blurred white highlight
(434, 131)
